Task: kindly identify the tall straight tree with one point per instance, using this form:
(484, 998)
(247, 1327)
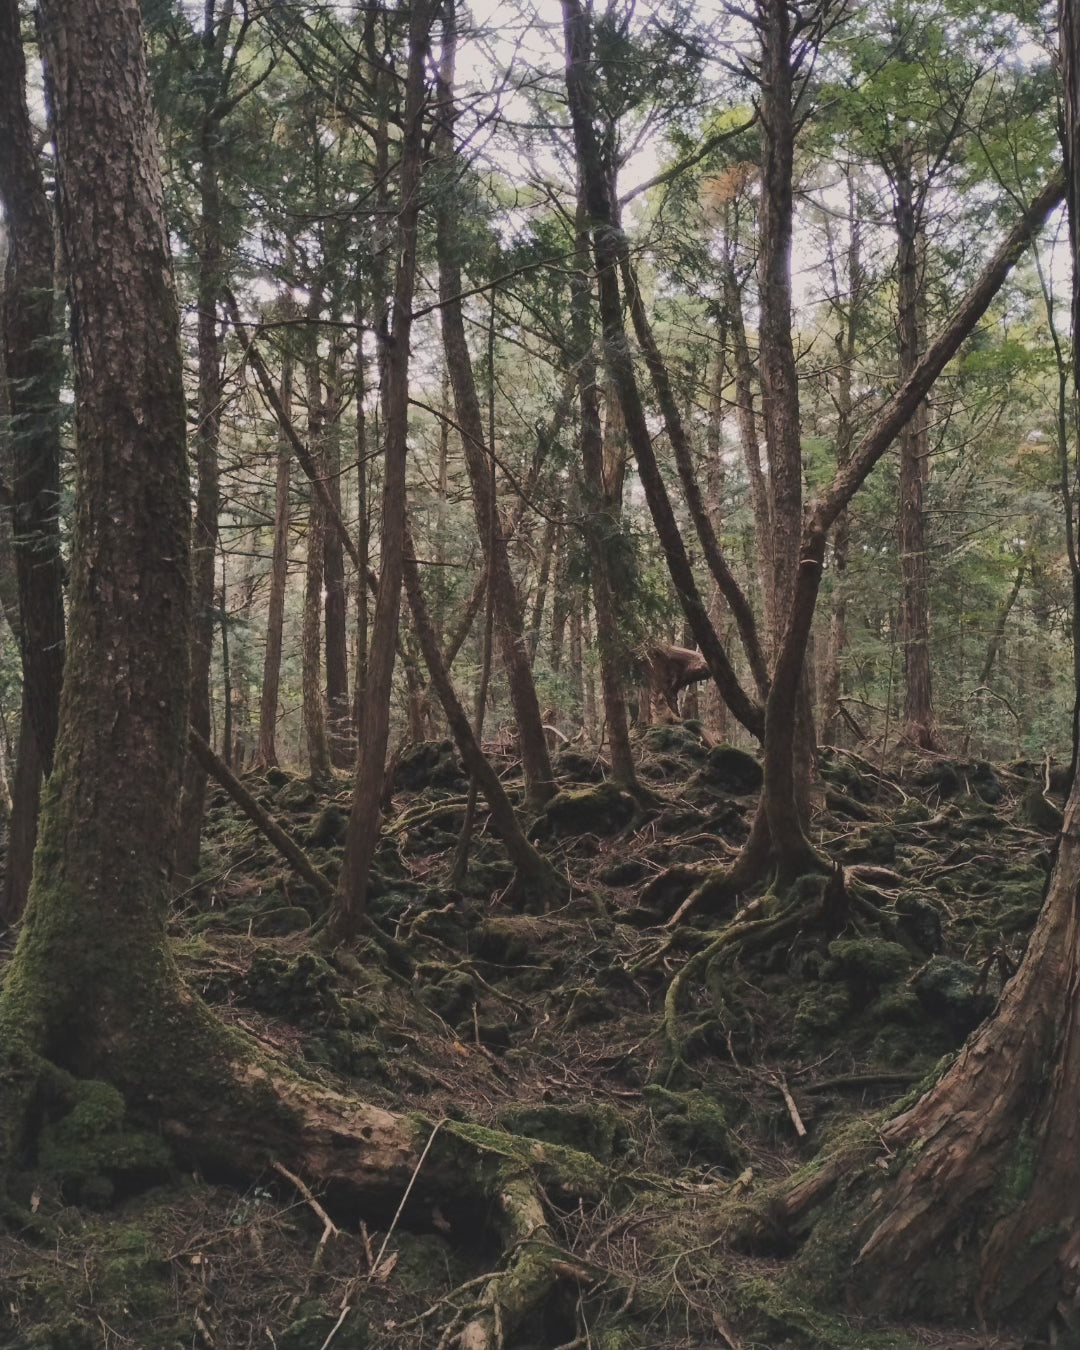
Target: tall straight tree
(31, 362)
(539, 784)
(364, 819)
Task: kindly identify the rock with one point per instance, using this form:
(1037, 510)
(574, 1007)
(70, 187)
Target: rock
(732, 770)
(428, 764)
(593, 1127)
(947, 990)
(603, 809)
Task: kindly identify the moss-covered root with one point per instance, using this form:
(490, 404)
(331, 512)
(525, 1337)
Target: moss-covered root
(534, 1267)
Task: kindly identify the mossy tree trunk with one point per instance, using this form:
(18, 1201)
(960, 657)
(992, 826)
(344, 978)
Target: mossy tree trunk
(96, 910)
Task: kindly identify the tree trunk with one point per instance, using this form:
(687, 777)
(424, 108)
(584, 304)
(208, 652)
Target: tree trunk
(374, 729)
(607, 244)
(210, 280)
(536, 764)
(318, 744)
(338, 709)
(919, 728)
(31, 363)
(601, 520)
(845, 343)
(363, 533)
(98, 900)
(279, 573)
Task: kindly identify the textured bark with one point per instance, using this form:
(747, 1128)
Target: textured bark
(266, 755)
(715, 708)
(980, 1217)
(338, 709)
(543, 576)
(31, 363)
(919, 722)
(315, 737)
(98, 900)
(536, 764)
(363, 534)
(846, 338)
(607, 244)
(996, 637)
(374, 729)
(30, 372)
(601, 519)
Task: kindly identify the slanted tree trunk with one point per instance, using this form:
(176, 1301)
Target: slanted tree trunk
(266, 755)
(31, 362)
(374, 729)
(536, 763)
(919, 723)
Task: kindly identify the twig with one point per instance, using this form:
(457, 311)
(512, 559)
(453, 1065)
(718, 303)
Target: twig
(793, 1110)
(337, 1325)
(330, 1229)
(408, 1189)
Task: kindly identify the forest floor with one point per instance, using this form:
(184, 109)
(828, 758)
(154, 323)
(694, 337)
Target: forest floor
(555, 1026)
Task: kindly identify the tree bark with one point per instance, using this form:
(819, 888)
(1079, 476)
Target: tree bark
(266, 755)
(338, 708)
(536, 763)
(919, 722)
(31, 362)
(374, 730)
(607, 242)
(98, 900)
(318, 745)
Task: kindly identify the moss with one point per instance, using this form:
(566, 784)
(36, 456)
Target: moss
(311, 1326)
(694, 1126)
(328, 828)
(279, 920)
(90, 1148)
(602, 809)
(595, 1127)
(920, 921)
(877, 845)
(731, 770)
(681, 740)
(300, 989)
(821, 1011)
(865, 965)
(947, 989)
(452, 997)
(428, 764)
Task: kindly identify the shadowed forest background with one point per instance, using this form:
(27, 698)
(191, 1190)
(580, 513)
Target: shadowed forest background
(538, 699)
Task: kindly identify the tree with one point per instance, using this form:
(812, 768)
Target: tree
(31, 364)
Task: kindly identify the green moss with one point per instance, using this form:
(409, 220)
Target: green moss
(89, 1147)
(865, 965)
(300, 989)
(694, 1126)
(595, 1127)
(602, 809)
(947, 989)
(821, 1011)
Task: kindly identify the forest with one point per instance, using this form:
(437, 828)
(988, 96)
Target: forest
(539, 675)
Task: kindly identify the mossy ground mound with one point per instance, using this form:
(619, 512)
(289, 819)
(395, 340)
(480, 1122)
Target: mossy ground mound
(550, 1027)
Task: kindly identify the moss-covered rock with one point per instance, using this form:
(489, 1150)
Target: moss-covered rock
(602, 809)
(731, 770)
(920, 920)
(1039, 813)
(429, 764)
(590, 1127)
(579, 766)
(299, 988)
(452, 997)
(948, 990)
(90, 1149)
(677, 740)
(821, 1010)
(328, 828)
(694, 1126)
(865, 965)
